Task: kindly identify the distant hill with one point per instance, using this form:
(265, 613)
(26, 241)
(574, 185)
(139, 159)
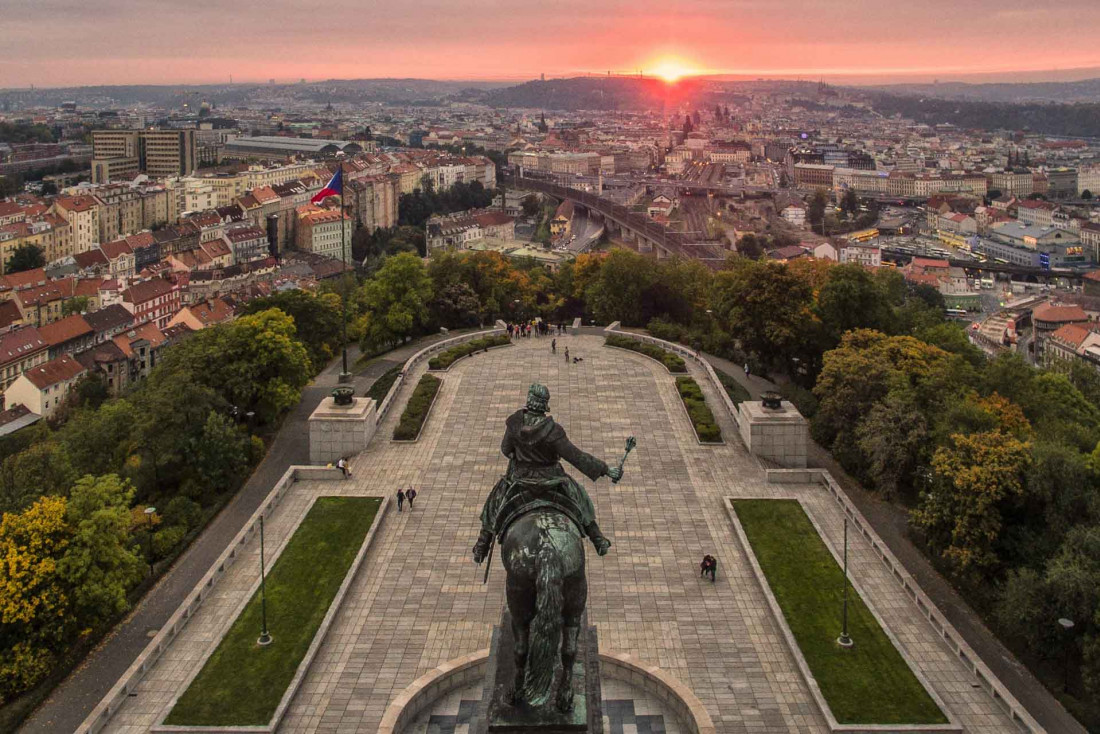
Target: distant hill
(1086, 90)
(596, 93)
(1070, 120)
(354, 91)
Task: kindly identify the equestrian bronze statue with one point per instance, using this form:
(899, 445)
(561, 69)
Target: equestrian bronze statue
(539, 516)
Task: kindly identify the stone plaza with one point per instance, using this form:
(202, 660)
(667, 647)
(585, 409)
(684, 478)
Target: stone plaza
(418, 600)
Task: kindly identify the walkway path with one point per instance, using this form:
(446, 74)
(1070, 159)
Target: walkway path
(418, 601)
(891, 523)
(74, 699)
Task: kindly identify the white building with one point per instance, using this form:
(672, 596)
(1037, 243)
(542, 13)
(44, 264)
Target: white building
(795, 214)
(43, 388)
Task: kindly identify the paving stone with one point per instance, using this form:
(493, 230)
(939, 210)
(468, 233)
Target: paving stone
(418, 600)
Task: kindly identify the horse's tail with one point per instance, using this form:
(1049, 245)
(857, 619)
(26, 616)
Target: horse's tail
(544, 640)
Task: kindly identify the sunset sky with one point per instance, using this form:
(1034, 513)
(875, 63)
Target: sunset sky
(66, 42)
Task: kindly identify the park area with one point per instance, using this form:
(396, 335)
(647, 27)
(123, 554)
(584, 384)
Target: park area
(870, 683)
(242, 683)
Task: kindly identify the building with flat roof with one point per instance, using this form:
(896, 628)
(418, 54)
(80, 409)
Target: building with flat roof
(123, 154)
(274, 147)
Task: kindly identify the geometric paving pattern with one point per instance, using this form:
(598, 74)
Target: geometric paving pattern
(626, 710)
(419, 601)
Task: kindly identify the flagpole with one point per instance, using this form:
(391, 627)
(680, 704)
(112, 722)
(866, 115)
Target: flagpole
(345, 376)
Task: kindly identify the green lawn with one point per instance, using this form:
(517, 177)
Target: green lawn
(242, 683)
(868, 684)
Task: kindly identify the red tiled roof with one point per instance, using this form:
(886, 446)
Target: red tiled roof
(65, 330)
(210, 312)
(147, 331)
(16, 345)
(91, 258)
(9, 313)
(25, 279)
(77, 203)
(1050, 312)
(1072, 334)
(244, 234)
(493, 219)
(115, 250)
(59, 369)
(147, 290)
(52, 291)
(141, 239)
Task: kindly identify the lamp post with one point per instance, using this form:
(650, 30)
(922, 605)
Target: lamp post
(1067, 634)
(149, 512)
(265, 637)
(845, 640)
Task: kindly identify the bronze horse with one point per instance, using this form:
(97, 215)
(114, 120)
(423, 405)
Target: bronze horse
(541, 515)
(547, 591)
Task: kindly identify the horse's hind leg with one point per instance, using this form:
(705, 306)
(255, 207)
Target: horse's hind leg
(518, 605)
(575, 593)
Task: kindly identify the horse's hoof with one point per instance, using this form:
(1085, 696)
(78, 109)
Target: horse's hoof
(565, 700)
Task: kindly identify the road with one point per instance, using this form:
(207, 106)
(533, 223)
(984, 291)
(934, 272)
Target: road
(586, 229)
(72, 701)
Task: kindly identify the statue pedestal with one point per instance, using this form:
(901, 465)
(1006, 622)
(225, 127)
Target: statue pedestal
(340, 430)
(779, 435)
(497, 716)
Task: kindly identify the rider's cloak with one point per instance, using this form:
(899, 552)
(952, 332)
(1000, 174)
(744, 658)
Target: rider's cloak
(535, 475)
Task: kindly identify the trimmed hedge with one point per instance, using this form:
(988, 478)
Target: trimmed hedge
(733, 388)
(382, 385)
(416, 411)
(452, 355)
(696, 403)
(674, 362)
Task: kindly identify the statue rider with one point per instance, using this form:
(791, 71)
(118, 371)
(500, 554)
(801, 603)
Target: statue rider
(535, 444)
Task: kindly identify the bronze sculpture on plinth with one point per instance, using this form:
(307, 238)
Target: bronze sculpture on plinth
(540, 515)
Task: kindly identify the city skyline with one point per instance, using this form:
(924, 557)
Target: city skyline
(126, 42)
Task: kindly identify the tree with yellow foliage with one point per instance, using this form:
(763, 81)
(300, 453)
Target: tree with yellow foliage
(977, 478)
(35, 609)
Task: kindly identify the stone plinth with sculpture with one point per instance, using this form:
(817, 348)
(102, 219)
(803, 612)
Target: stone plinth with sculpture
(341, 426)
(773, 429)
(543, 664)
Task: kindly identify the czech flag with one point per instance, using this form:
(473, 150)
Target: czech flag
(335, 187)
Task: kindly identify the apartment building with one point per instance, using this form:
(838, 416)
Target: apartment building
(122, 154)
(82, 214)
(319, 231)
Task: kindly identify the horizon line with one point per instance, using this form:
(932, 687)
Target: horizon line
(949, 74)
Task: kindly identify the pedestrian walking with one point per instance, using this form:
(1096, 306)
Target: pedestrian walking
(567, 355)
(554, 346)
(342, 465)
(709, 567)
(400, 499)
(410, 495)
(746, 369)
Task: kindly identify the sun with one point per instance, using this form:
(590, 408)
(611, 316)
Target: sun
(672, 69)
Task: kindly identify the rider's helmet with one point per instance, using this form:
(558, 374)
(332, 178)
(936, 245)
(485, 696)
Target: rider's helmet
(538, 398)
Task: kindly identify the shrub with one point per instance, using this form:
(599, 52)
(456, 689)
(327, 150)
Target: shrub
(452, 355)
(382, 385)
(674, 362)
(801, 398)
(706, 427)
(667, 330)
(416, 411)
(164, 541)
(183, 511)
(733, 388)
